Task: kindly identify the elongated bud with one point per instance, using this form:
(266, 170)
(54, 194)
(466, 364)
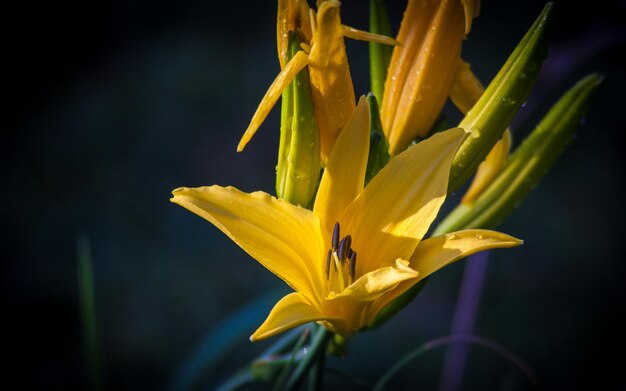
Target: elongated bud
(380, 55)
(495, 109)
(465, 92)
(528, 164)
(379, 149)
(298, 168)
(422, 70)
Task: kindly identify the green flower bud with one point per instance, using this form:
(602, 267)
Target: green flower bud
(528, 164)
(298, 168)
(506, 93)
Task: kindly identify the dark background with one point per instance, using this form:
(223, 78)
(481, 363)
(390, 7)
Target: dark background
(111, 105)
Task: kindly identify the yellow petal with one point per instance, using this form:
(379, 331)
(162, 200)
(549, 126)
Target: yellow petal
(472, 9)
(430, 77)
(413, 29)
(291, 311)
(489, 168)
(331, 83)
(376, 283)
(434, 253)
(297, 63)
(392, 214)
(292, 15)
(466, 88)
(351, 32)
(344, 176)
(284, 238)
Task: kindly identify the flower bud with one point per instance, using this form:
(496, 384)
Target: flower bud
(495, 109)
(298, 168)
(528, 164)
(421, 71)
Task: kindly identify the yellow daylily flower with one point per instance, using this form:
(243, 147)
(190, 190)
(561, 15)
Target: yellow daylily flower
(325, 55)
(422, 70)
(360, 247)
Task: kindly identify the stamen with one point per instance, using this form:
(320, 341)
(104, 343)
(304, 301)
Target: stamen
(328, 265)
(343, 258)
(335, 242)
(339, 273)
(352, 265)
(344, 247)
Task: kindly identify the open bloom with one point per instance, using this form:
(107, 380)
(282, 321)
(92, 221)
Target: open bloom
(359, 248)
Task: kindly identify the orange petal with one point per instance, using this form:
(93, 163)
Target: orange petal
(430, 77)
(331, 82)
(413, 29)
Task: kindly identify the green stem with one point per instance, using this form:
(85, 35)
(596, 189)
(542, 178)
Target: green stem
(285, 371)
(380, 55)
(317, 347)
(315, 374)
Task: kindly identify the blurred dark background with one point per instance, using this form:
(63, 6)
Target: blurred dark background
(111, 105)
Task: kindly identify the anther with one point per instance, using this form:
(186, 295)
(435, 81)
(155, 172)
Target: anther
(344, 246)
(352, 265)
(328, 264)
(335, 242)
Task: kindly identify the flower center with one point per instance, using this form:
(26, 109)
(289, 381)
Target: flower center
(340, 262)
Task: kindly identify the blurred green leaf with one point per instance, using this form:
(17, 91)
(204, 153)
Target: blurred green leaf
(234, 328)
(89, 324)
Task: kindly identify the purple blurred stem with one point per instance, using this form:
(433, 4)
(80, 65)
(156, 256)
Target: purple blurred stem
(463, 322)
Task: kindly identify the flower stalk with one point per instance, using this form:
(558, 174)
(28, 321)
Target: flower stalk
(380, 55)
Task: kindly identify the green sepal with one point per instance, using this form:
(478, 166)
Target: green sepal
(528, 164)
(379, 148)
(399, 303)
(506, 93)
(380, 55)
(298, 168)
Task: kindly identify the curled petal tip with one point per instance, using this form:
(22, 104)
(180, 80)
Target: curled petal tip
(178, 190)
